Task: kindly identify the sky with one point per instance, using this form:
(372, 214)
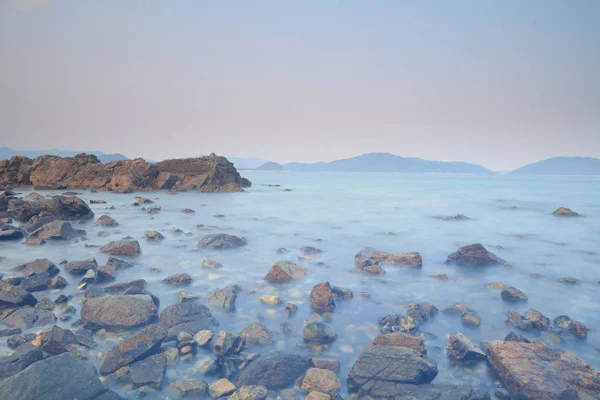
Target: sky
(496, 83)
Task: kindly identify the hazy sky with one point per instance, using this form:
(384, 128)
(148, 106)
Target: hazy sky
(498, 83)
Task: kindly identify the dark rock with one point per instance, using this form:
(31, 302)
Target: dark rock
(228, 343)
(116, 312)
(534, 371)
(425, 392)
(290, 308)
(285, 271)
(107, 273)
(19, 360)
(274, 371)
(45, 304)
(379, 369)
(578, 329)
(178, 279)
(60, 377)
(118, 264)
(309, 250)
(37, 221)
(513, 337)
(224, 298)
(56, 230)
(56, 340)
(106, 220)
(14, 342)
(122, 247)
(13, 296)
(8, 232)
(36, 282)
(190, 317)
(565, 212)
(538, 320)
(326, 363)
(58, 282)
(36, 267)
(136, 347)
(513, 295)
(63, 208)
(81, 267)
(461, 348)
(319, 332)
(257, 333)
(221, 241)
(562, 322)
(10, 332)
(569, 281)
(28, 317)
(322, 299)
(457, 217)
(120, 288)
(470, 319)
(474, 255)
(149, 372)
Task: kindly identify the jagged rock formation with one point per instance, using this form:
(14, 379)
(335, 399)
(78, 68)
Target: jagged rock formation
(207, 174)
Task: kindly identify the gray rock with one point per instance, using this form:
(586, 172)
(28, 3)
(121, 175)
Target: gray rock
(122, 247)
(224, 298)
(320, 332)
(461, 348)
(81, 267)
(55, 230)
(565, 212)
(189, 388)
(227, 343)
(178, 279)
(426, 392)
(19, 360)
(36, 282)
(28, 317)
(257, 333)
(474, 255)
(190, 317)
(12, 296)
(274, 371)
(36, 267)
(221, 241)
(513, 295)
(149, 371)
(116, 312)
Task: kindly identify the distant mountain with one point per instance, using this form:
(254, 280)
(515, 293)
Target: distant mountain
(386, 162)
(270, 166)
(6, 153)
(561, 166)
(247, 163)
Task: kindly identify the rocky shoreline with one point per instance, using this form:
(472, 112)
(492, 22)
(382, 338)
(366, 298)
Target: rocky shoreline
(54, 342)
(84, 171)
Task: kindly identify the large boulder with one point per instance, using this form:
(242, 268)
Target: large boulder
(274, 371)
(474, 255)
(532, 371)
(285, 271)
(371, 256)
(190, 317)
(56, 378)
(122, 247)
(380, 368)
(19, 360)
(138, 346)
(221, 241)
(116, 312)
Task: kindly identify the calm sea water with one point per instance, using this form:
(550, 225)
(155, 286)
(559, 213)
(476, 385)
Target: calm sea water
(343, 213)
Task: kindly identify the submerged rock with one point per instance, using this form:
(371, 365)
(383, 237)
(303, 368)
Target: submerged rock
(369, 256)
(538, 320)
(227, 343)
(190, 317)
(116, 312)
(474, 255)
(513, 295)
(461, 348)
(153, 236)
(122, 247)
(211, 264)
(285, 271)
(257, 333)
(274, 371)
(178, 279)
(251, 392)
(221, 388)
(398, 339)
(221, 241)
(457, 217)
(106, 220)
(319, 332)
(149, 371)
(533, 371)
(565, 212)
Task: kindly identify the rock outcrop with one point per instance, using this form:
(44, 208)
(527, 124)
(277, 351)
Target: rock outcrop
(207, 174)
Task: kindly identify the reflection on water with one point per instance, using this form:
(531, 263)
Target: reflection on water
(343, 213)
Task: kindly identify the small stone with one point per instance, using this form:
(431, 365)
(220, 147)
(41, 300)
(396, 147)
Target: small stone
(539, 320)
(211, 264)
(227, 343)
(496, 286)
(502, 393)
(184, 296)
(203, 337)
(470, 319)
(221, 388)
(513, 295)
(562, 322)
(271, 300)
(569, 281)
(327, 363)
(153, 236)
(319, 332)
(251, 392)
(178, 279)
(441, 277)
(290, 308)
(189, 388)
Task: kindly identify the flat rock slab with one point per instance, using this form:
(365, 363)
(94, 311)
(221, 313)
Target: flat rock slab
(122, 247)
(380, 368)
(56, 378)
(410, 259)
(274, 371)
(118, 311)
(532, 371)
(428, 392)
(19, 360)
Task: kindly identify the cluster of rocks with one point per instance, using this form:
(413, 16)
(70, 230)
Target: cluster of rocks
(208, 174)
(534, 320)
(416, 315)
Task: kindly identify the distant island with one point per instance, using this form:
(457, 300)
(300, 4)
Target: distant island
(6, 153)
(271, 166)
(561, 166)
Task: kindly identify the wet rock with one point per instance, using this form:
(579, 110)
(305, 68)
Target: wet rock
(470, 319)
(106, 220)
(319, 332)
(513, 295)
(16, 341)
(45, 304)
(153, 236)
(122, 247)
(274, 371)
(120, 288)
(251, 392)
(322, 299)
(271, 300)
(538, 320)
(398, 339)
(285, 271)
(211, 264)
(317, 396)
(56, 230)
(149, 371)
(227, 343)
(457, 309)
(502, 393)
(97, 202)
(35, 282)
(184, 296)
(221, 241)
(116, 312)
(221, 388)
(28, 317)
(257, 333)
(189, 317)
(535, 371)
(202, 338)
(513, 337)
(496, 286)
(290, 308)
(118, 264)
(309, 250)
(36, 267)
(569, 281)
(88, 278)
(56, 340)
(81, 267)
(178, 279)
(578, 329)
(63, 208)
(461, 348)
(8, 232)
(474, 255)
(457, 217)
(12, 296)
(320, 380)
(138, 346)
(564, 212)
(518, 321)
(58, 377)
(369, 257)
(427, 392)
(19, 360)
(380, 368)
(441, 277)
(189, 388)
(10, 332)
(107, 273)
(188, 211)
(224, 298)
(562, 322)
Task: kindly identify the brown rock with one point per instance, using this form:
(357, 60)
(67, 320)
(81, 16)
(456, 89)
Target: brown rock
(461, 348)
(411, 259)
(285, 271)
(106, 220)
(474, 255)
(122, 247)
(322, 299)
(320, 380)
(399, 339)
